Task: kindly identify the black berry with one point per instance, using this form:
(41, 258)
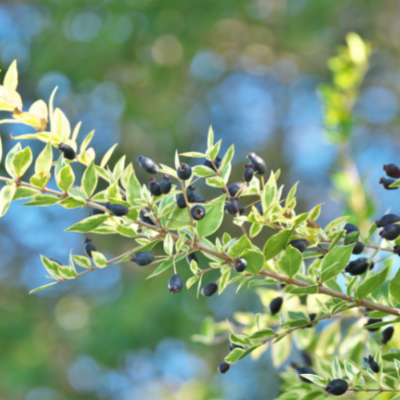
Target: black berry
(184, 172)
(350, 228)
(223, 367)
(312, 318)
(248, 172)
(192, 256)
(359, 266)
(372, 321)
(396, 250)
(154, 187)
(234, 188)
(228, 209)
(240, 264)
(96, 211)
(307, 359)
(180, 200)
(175, 284)
(209, 289)
(119, 210)
(209, 164)
(148, 165)
(372, 363)
(386, 183)
(88, 247)
(275, 305)
(258, 163)
(387, 334)
(303, 370)
(196, 198)
(299, 244)
(337, 387)
(198, 213)
(392, 170)
(68, 151)
(142, 258)
(358, 248)
(260, 209)
(234, 206)
(145, 219)
(387, 219)
(166, 184)
(390, 232)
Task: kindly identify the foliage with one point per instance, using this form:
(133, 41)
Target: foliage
(311, 279)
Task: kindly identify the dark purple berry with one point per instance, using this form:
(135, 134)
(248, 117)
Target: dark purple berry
(154, 187)
(223, 367)
(196, 198)
(248, 172)
(148, 165)
(228, 209)
(303, 370)
(96, 211)
(372, 363)
(386, 183)
(299, 244)
(232, 346)
(240, 264)
(184, 172)
(119, 210)
(192, 256)
(372, 321)
(312, 318)
(260, 209)
(166, 184)
(350, 228)
(209, 164)
(88, 247)
(358, 248)
(359, 266)
(387, 334)
(275, 305)
(180, 200)
(145, 219)
(142, 258)
(396, 250)
(234, 188)
(337, 387)
(234, 206)
(209, 289)
(387, 219)
(258, 163)
(175, 284)
(390, 232)
(198, 213)
(68, 151)
(392, 170)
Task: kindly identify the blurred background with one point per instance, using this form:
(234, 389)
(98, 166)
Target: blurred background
(152, 76)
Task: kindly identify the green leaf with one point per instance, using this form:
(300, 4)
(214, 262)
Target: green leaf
(213, 218)
(86, 142)
(89, 180)
(42, 200)
(277, 243)
(88, 224)
(336, 370)
(269, 192)
(43, 287)
(383, 323)
(169, 244)
(227, 158)
(312, 289)
(290, 263)
(372, 283)
(119, 167)
(389, 382)
(234, 356)
(239, 247)
(99, 259)
(21, 161)
(51, 267)
(9, 158)
(107, 156)
(178, 219)
(44, 160)
(263, 333)
(215, 181)
(6, 195)
(281, 350)
(394, 286)
(202, 171)
(72, 202)
(291, 194)
(316, 379)
(294, 323)
(195, 154)
(351, 370)
(65, 178)
(335, 262)
(255, 261)
(133, 191)
(239, 339)
(24, 193)
(40, 180)
(127, 230)
(83, 261)
(223, 283)
(191, 281)
(314, 213)
(215, 150)
(60, 126)
(210, 139)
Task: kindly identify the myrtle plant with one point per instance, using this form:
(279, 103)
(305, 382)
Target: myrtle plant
(337, 310)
